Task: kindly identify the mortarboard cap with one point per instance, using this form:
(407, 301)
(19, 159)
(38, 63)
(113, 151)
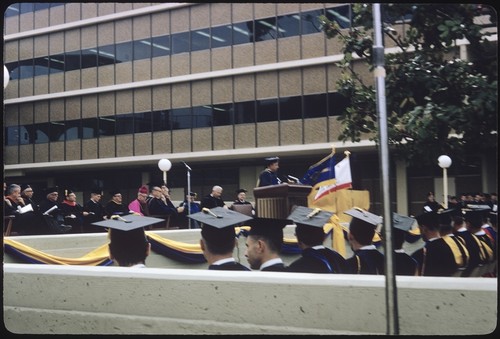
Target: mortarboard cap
(475, 216)
(54, 189)
(68, 192)
(241, 190)
(302, 215)
(445, 216)
(493, 217)
(402, 222)
(115, 191)
(96, 191)
(429, 219)
(219, 217)
(271, 160)
(193, 194)
(218, 225)
(128, 222)
(364, 217)
(24, 187)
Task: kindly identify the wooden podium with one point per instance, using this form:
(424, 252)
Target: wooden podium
(276, 201)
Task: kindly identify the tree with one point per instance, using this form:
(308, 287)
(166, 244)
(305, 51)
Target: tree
(437, 103)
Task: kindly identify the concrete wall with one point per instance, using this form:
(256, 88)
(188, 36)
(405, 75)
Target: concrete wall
(58, 299)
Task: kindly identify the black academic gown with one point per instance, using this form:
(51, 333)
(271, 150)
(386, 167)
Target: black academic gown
(229, 266)
(436, 259)
(96, 214)
(405, 264)
(210, 202)
(268, 178)
(322, 260)
(112, 208)
(366, 261)
(280, 267)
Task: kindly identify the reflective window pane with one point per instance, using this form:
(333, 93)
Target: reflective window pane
(57, 130)
(337, 104)
(161, 120)
(72, 61)
(242, 32)
(89, 58)
(142, 49)
(223, 115)
(310, 22)
(180, 42)
(181, 118)
(142, 122)
(341, 15)
(124, 124)
(124, 52)
(267, 110)
(288, 25)
(200, 39)
(202, 116)
(72, 131)
(107, 125)
(265, 29)
(221, 36)
(315, 106)
(290, 108)
(160, 45)
(244, 112)
(90, 128)
(42, 132)
(41, 66)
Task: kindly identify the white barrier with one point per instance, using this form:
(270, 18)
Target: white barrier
(50, 299)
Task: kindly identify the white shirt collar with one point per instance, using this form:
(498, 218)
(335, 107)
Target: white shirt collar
(223, 261)
(271, 262)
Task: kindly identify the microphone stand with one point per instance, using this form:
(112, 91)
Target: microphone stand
(188, 172)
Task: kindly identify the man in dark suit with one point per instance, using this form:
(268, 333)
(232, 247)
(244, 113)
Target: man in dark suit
(263, 244)
(214, 199)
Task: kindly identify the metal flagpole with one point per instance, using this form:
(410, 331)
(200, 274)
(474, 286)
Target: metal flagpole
(379, 72)
(188, 200)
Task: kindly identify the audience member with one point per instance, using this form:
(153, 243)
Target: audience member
(24, 222)
(214, 199)
(431, 205)
(241, 200)
(160, 204)
(263, 244)
(315, 257)
(52, 214)
(184, 210)
(27, 195)
(95, 212)
(474, 219)
(115, 205)
(73, 212)
(366, 258)
(218, 237)
(140, 205)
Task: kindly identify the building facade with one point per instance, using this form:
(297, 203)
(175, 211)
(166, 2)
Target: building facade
(100, 92)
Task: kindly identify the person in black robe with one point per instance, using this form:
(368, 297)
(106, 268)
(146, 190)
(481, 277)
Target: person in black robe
(115, 206)
(52, 213)
(404, 263)
(474, 219)
(23, 223)
(73, 212)
(263, 244)
(315, 257)
(214, 199)
(269, 175)
(436, 258)
(95, 212)
(218, 237)
(366, 258)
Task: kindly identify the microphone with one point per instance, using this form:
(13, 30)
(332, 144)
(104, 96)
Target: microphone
(291, 177)
(189, 168)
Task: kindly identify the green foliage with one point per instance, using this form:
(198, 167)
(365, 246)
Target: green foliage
(436, 102)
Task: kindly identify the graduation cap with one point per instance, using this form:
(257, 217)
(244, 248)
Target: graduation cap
(193, 194)
(128, 222)
(49, 190)
(143, 189)
(114, 192)
(24, 187)
(271, 160)
(445, 216)
(218, 224)
(402, 222)
(362, 217)
(475, 216)
(96, 191)
(306, 216)
(241, 190)
(272, 229)
(68, 192)
(429, 219)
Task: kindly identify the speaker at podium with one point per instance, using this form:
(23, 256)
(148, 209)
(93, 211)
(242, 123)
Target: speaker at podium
(276, 201)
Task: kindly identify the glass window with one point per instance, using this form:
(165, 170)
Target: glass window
(221, 36)
(42, 133)
(26, 7)
(290, 108)
(73, 128)
(200, 39)
(315, 106)
(41, 66)
(310, 22)
(337, 104)
(160, 45)
(124, 123)
(142, 49)
(107, 125)
(265, 29)
(13, 136)
(223, 114)
(288, 25)
(267, 110)
(106, 55)
(72, 61)
(24, 70)
(244, 112)
(89, 58)
(181, 118)
(12, 10)
(89, 128)
(41, 5)
(142, 122)
(202, 116)
(341, 15)
(27, 134)
(242, 32)
(161, 120)
(56, 63)
(57, 130)
(124, 52)
(180, 42)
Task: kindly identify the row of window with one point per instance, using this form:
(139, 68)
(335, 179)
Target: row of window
(26, 7)
(201, 39)
(288, 108)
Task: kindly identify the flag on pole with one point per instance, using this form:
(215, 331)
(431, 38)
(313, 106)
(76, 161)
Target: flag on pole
(327, 177)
